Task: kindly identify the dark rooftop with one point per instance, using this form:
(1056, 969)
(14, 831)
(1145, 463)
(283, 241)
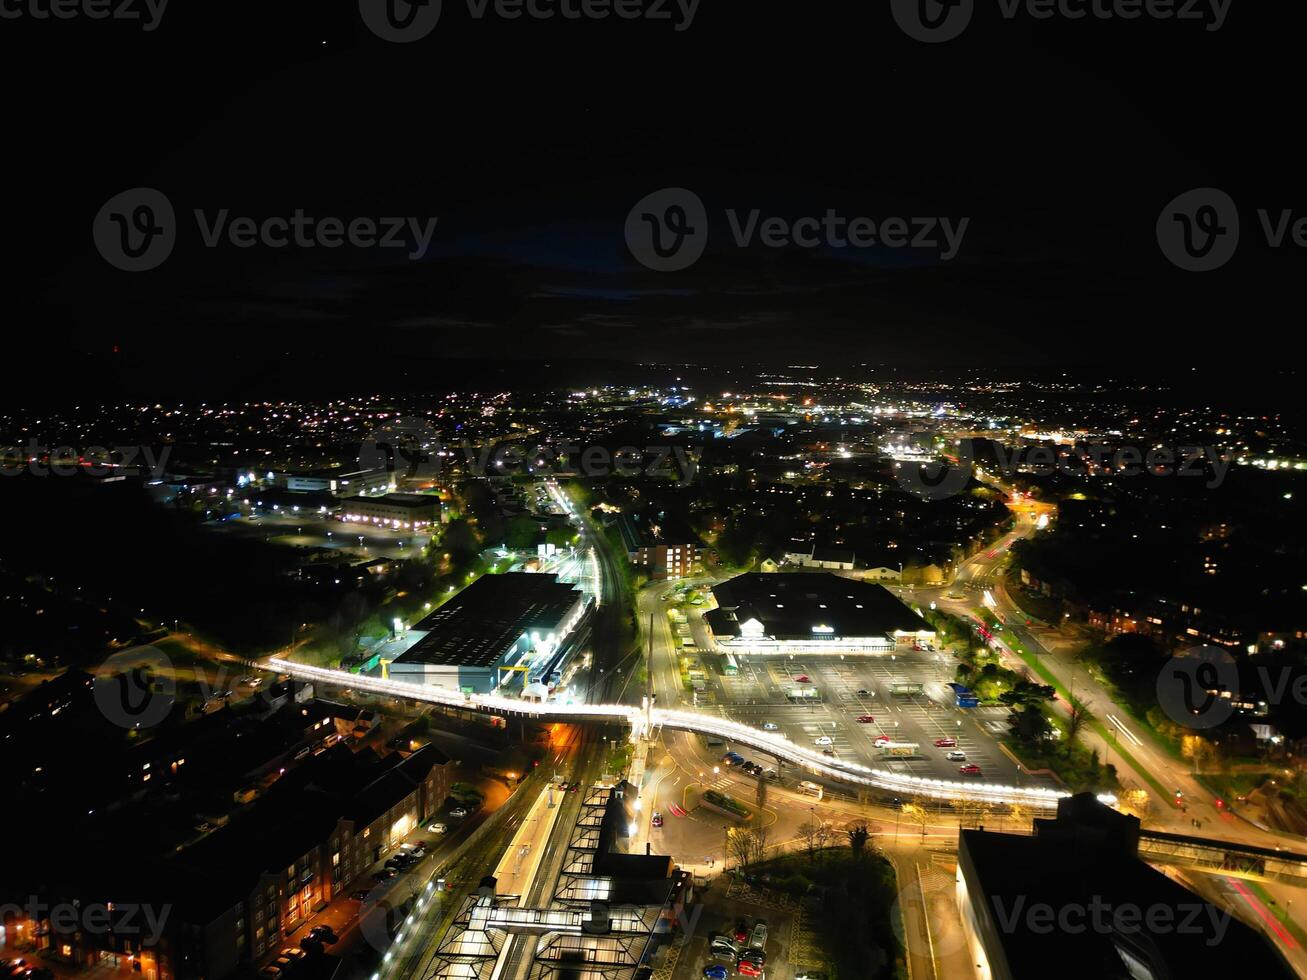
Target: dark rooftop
(1074, 868)
(790, 604)
(411, 500)
(476, 627)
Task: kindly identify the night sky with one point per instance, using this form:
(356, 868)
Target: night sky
(530, 141)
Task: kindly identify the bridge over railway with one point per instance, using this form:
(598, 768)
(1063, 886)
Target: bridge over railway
(647, 720)
(1223, 857)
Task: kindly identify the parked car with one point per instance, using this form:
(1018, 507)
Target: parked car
(803, 679)
(882, 740)
(754, 955)
(945, 743)
(957, 756)
(361, 895)
(458, 812)
(293, 953)
(271, 971)
(657, 819)
(748, 968)
(866, 719)
(715, 971)
(724, 947)
(769, 726)
(385, 874)
(863, 692)
(970, 769)
(825, 740)
(758, 937)
(741, 931)
(326, 934)
(828, 751)
(436, 828)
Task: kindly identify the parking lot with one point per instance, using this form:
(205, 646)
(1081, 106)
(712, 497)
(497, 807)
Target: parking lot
(855, 686)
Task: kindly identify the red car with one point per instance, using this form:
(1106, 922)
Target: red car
(748, 968)
(802, 679)
(946, 743)
(970, 769)
(866, 719)
(741, 932)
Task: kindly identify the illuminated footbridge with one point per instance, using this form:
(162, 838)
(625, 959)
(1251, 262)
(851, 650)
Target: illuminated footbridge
(647, 722)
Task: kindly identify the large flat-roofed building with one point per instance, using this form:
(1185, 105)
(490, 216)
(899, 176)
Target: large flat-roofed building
(340, 484)
(811, 612)
(406, 511)
(499, 625)
(1076, 900)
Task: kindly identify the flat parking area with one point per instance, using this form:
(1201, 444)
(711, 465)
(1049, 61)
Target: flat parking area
(858, 686)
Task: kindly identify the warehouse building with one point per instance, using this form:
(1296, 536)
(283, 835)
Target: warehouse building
(406, 511)
(811, 612)
(501, 629)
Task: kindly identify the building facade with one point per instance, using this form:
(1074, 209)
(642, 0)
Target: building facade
(402, 511)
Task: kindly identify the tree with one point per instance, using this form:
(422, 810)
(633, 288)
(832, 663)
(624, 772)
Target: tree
(747, 846)
(917, 813)
(1076, 718)
(1198, 751)
(810, 832)
(460, 541)
(859, 835)
(1029, 724)
(521, 533)
(1019, 815)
